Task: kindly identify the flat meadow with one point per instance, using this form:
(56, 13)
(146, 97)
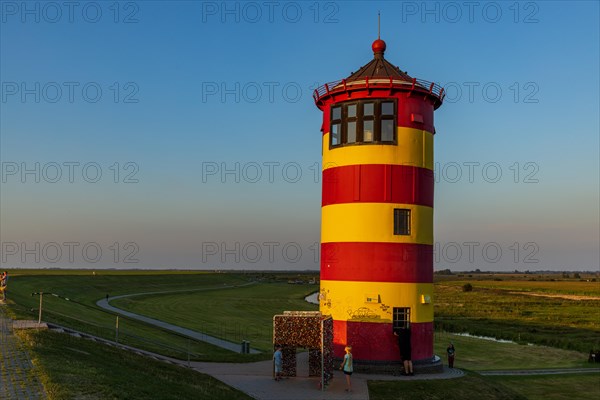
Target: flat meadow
(231, 306)
(552, 321)
(550, 310)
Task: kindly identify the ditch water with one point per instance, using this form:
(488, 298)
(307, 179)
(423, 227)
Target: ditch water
(312, 298)
(492, 339)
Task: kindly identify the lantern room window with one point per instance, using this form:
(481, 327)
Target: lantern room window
(363, 122)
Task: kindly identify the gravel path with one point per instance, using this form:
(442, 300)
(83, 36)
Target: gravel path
(17, 380)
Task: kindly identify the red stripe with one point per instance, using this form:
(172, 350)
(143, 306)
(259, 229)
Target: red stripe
(378, 183)
(376, 342)
(377, 262)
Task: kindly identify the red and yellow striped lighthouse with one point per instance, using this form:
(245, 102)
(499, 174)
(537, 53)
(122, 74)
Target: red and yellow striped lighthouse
(377, 209)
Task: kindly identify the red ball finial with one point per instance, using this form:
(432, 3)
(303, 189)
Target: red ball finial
(378, 46)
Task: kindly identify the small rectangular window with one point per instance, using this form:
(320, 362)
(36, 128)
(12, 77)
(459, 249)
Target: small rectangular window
(401, 221)
(352, 111)
(336, 134)
(387, 108)
(351, 132)
(387, 130)
(336, 113)
(368, 133)
(401, 318)
(369, 109)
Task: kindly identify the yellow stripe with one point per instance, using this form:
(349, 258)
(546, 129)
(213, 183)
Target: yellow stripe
(374, 222)
(414, 148)
(349, 301)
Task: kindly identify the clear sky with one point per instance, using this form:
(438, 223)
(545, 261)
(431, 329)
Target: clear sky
(184, 134)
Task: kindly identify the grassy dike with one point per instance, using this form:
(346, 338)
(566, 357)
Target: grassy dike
(73, 368)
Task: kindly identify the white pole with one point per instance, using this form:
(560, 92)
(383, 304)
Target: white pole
(40, 312)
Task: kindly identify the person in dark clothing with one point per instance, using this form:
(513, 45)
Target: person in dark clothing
(451, 351)
(404, 344)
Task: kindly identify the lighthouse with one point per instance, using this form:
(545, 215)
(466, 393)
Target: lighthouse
(377, 210)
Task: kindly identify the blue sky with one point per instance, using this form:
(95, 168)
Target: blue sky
(184, 134)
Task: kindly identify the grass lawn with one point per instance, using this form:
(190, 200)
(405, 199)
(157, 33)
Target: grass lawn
(492, 309)
(549, 284)
(242, 313)
(248, 314)
(72, 368)
(553, 387)
(471, 386)
(480, 354)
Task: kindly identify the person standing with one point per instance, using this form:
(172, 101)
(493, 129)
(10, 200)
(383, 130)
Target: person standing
(347, 367)
(4, 284)
(404, 343)
(451, 351)
(278, 359)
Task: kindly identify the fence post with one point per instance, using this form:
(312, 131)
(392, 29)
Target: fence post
(40, 312)
(117, 330)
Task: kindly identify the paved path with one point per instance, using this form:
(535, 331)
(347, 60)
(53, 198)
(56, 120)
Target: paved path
(17, 380)
(236, 347)
(256, 380)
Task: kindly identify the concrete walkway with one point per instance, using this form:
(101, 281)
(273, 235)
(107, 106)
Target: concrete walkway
(17, 380)
(235, 347)
(256, 380)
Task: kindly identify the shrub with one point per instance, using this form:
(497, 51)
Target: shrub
(467, 287)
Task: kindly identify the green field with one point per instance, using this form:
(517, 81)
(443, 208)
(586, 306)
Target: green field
(503, 307)
(553, 387)
(235, 314)
(587, 285)
(484, 355)
(477, 387)
(233, 310)
(243, 313)
(471, 386)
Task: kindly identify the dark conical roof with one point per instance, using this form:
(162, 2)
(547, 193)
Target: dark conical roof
(379, 67)
(378, 74)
